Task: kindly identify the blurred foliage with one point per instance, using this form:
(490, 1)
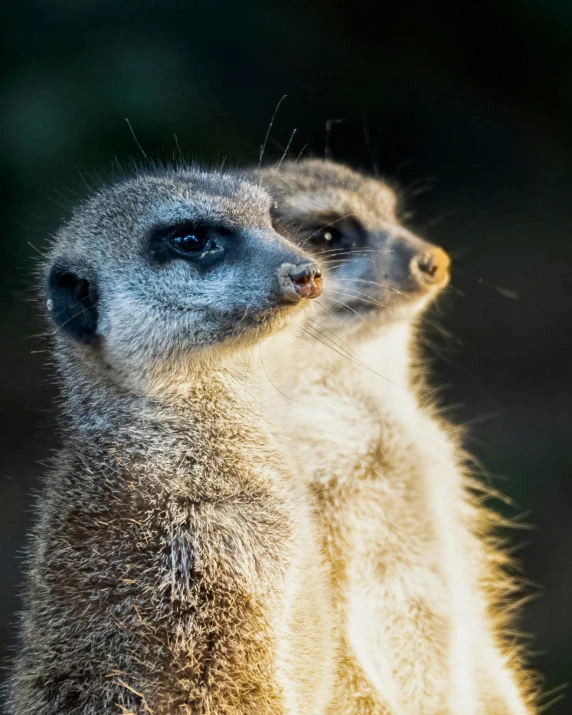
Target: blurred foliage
(467, 106)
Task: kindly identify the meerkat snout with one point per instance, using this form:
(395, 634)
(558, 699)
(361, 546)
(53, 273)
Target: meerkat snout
(299, 282)
(431, 267)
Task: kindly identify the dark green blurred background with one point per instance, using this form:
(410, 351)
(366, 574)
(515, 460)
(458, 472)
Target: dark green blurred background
(467, 105)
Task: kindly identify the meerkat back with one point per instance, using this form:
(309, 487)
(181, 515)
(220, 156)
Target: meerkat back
(409, 563)
(173, 568)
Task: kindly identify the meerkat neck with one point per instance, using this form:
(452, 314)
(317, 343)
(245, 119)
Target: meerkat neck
(378, 361)
(206, 444)
(210, 395)
(388, 353)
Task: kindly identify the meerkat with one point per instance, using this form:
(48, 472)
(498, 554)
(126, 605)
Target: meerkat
(173, 568)
(416, 580)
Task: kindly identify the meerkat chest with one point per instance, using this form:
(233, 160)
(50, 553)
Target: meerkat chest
(367, 462)
(329, 432)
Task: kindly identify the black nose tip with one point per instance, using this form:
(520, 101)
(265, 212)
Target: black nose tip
(431, 267)
(297, 282)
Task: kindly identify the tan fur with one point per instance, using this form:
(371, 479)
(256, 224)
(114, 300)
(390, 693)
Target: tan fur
(174, 567)
(418, 584)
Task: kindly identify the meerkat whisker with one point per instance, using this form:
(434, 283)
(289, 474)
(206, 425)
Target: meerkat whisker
(353, 310)
(263, 147)
(302, 150)
(285, 154)
(353, 251)
(308, 331)
(270, 381)
(357, 294)
(325, 330)
(393, 289)
(348, 356)
(135, 138)
(343, 252)
(341, 349)
(336, 263)
(300, 228)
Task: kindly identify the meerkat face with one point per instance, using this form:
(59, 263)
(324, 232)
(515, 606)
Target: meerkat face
(375, 267)
(163, 265)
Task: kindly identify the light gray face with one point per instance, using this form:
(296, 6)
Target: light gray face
(165, 264)
(374, 267)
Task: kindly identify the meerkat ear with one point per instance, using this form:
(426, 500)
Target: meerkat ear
(72, 301)
(275, 215)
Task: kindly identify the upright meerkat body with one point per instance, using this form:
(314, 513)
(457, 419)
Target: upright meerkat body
(414, 579)
(173, 568)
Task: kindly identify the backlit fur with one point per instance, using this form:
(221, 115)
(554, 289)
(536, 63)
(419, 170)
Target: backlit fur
(419, 586)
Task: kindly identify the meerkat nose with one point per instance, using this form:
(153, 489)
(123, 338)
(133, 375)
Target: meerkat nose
(299, 282)
(307, 281)
(431, 267)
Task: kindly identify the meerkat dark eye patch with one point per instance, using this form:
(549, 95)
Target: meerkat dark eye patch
(72, 302)
(341, 233)
(190, 241)
(327, 236)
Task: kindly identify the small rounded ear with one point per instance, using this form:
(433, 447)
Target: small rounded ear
(276, 216)
(72, 301)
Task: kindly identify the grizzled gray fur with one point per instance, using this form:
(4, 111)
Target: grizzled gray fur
(173, 567)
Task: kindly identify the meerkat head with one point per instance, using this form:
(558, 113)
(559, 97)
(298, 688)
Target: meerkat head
(157, 270)
(375, 267)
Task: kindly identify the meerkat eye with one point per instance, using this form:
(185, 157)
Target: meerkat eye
(189, 239)
(204, 245)
(327, 236)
